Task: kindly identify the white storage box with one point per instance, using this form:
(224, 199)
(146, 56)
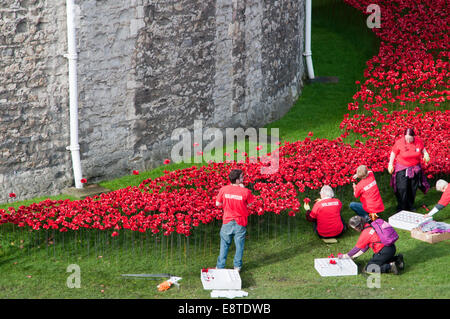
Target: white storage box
(343, 267)
(406, 220)
(217, 279)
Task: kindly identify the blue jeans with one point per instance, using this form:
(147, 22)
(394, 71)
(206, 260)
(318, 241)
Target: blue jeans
(227, 232)
(359, 210)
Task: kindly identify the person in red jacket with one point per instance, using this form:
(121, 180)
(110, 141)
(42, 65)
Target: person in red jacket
(234, 199)
(407, 174)
(326, 215)
(441, 186)
(384, 258)
(369, 194)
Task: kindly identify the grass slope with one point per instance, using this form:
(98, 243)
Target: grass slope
(279, 254)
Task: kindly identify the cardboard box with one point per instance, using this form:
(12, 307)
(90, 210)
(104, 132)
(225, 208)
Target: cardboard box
(428, 236)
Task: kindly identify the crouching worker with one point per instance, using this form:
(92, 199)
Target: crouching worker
(367, 190)
(441, 186)
(326, 214)
(384, 255)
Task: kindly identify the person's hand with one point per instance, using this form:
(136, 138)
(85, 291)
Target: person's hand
(390, 168)
(426, 157)
(306, 206)
(242, 185)
(341, 256)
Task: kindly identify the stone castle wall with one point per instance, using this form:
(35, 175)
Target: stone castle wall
(145, 67)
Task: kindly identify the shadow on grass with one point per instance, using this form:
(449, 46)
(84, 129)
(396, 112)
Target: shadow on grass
(421, 253)
(280, 255)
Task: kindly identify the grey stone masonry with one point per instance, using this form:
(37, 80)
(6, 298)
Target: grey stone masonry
(145, 68)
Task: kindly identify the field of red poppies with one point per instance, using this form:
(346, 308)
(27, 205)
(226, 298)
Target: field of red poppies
(405, 85)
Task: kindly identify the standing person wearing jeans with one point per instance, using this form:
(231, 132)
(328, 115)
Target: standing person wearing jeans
(234, 198)
(367, 190)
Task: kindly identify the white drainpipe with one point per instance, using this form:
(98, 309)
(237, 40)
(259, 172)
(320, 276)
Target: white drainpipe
(308, 52)
(73, 93)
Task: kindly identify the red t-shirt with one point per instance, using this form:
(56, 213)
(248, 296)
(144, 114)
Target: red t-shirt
(369, 238)
(408, 154)
(327, 212)
(235, 199)
(368, 190)
(445, 198)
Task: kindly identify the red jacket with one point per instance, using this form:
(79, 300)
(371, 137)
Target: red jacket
(368, 190)
(327, 213)
(235, 200)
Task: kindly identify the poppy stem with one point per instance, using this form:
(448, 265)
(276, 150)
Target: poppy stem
(167, 255)
(132, 242)
(186, 248)
(210, 238)
(204, 244)
(88, 239)
(161, 246)
(289, 228)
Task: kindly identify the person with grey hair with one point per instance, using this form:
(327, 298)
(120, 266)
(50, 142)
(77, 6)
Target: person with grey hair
(326, 215)
(384, 258)
(441, 186)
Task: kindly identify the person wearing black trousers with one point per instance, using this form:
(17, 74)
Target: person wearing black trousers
(407, 174)
(384, 259)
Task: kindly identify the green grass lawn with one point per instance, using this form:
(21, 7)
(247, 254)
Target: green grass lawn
(280, 250)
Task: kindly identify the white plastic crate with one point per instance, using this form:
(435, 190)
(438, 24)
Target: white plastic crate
(217, 279)
(406, 220)
(343, 267)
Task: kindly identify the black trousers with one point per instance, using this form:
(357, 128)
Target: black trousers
(406, 190)
(383, 259)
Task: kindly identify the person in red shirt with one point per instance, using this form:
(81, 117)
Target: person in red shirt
(407, 174)
(367, 190)
(384, 259)
(326, 215)
(441, 186)
(234, 199)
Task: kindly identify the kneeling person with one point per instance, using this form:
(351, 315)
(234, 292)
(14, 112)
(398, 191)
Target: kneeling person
(384, 256)
(367, 190)
(326, 215)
